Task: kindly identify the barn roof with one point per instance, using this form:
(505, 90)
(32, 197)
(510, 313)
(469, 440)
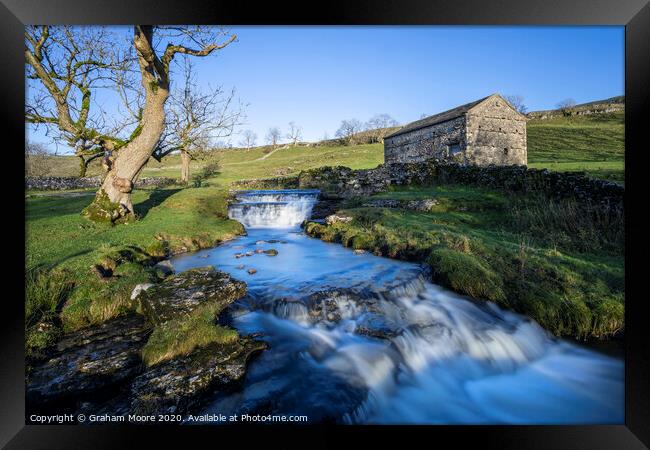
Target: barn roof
(438, 118)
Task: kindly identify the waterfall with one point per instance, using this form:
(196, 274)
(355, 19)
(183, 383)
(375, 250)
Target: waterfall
(273, 208)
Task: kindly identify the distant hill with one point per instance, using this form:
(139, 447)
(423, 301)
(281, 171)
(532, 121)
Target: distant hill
(608, 105)
(593, 142)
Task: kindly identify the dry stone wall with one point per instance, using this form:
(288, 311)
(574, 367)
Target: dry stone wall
(344, 182)
(63, 183)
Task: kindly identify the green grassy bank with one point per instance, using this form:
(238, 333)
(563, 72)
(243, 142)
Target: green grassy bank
(553, 261)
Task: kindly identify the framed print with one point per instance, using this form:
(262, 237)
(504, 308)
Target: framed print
(369, 222)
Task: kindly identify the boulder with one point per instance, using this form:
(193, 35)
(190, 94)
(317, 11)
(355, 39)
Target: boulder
(336, 304)
(271, 252)
(181, 294)
(138, 289)
(422, 205)
(175, 386)
(337, 218)
(89, 360)
(165, 267)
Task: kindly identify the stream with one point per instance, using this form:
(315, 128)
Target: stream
(360, 339)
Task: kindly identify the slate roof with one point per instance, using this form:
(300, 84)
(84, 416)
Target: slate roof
(438, 118)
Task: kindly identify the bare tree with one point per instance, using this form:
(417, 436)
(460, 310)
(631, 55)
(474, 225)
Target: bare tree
(294, 134)
(249, 138)
(60, 58)
(65, 67)
(378, 126)
(37, 160)
(517, 102)
(348, 129)
(566, 105)
(273, 136)
(195, 119)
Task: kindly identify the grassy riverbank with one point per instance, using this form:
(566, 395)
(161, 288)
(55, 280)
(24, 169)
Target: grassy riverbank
(552, 261)
(66, 293)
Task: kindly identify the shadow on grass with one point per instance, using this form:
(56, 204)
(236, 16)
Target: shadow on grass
(156, 197)
(55, 205)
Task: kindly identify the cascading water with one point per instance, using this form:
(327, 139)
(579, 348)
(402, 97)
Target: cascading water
(358, 338)
(273, 209)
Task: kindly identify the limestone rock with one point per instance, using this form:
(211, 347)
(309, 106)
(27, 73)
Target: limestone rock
(88, 360)
(336, 218)
(181, 294)
(138, 289)
(174, 386)
(165, 267)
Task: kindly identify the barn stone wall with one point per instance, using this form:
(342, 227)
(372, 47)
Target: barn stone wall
(496, 134)
(425, 143)
(489, 133)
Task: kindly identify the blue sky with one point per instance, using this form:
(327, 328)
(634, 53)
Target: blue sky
(318, 76)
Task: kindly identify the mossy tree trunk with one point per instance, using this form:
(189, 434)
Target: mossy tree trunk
(113, 200)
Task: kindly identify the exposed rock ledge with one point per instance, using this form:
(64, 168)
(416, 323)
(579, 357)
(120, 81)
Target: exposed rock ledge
(106, 358)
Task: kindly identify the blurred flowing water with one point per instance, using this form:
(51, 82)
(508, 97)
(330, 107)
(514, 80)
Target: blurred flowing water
(356, 338)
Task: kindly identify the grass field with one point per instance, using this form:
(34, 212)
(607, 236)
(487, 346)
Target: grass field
(594, 144)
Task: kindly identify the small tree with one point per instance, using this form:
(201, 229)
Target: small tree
(517, 102)
(249, 138)
(195, 118)
(348, 129)
(37, 160)
(294, 134)
(566, 105)
(273, 136)
(209, 170)
(377, 126)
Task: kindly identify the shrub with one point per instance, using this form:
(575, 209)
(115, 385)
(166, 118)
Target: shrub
(209, 170)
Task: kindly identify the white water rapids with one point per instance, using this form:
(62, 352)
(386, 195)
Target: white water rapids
(357, 338)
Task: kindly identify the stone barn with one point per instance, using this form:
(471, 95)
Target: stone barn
(483, 132)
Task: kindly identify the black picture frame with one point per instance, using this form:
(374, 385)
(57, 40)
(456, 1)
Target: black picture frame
(633, 14)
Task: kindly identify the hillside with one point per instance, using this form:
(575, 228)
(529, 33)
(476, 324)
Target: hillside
(593, 143)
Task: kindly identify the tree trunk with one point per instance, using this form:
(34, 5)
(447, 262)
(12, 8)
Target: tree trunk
(113, 200)
(185, 167)
(82, 167)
